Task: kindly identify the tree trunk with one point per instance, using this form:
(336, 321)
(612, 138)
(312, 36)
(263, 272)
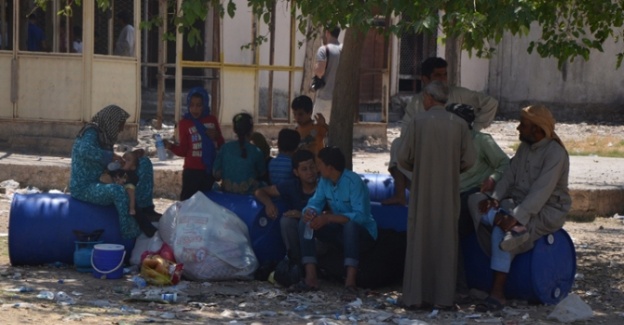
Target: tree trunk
(453, 58)
(346, 97)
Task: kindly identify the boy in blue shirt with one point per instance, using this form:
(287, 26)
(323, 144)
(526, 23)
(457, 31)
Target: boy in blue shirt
(295, 193)
(348, 223)
(280, 167)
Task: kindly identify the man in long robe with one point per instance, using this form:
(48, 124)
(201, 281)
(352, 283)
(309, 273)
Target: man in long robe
(433, 69)
(436, 148)
(530, 201)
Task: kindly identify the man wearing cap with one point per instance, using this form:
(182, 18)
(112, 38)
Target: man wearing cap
(437, 147)
(530, 201)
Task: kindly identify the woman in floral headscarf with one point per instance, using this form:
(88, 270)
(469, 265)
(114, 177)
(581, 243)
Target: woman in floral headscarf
(91, 153)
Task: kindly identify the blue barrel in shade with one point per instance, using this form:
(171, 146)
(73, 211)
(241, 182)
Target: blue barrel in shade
(265, 233)
(544, 274)
(380, 186)
(41, 227)
(390, 216)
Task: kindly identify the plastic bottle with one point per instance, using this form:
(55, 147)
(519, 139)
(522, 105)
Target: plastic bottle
(64, 299)
(139, 282)
(160, 147)
(308, 233)
(49, 295)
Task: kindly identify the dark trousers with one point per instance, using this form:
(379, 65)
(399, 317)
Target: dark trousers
(194, 180)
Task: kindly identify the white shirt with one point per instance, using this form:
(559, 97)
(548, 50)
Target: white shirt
(125, 42)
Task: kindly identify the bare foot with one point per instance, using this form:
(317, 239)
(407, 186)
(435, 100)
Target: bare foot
(395, 200)
(132, 212)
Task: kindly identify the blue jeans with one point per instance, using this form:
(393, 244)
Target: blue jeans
(351, 236)
(501, 260)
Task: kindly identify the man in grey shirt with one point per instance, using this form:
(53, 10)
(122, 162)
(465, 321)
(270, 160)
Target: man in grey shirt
(531, 199)
(327, 59)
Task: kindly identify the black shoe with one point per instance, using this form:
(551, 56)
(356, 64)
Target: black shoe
(145, 225)
(151, 214)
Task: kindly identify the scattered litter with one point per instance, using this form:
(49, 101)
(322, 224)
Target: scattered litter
(49, 295)
(434, 313)
(20, 289)
(78, 316)
(167, 315)
(64, 299)
(129, 310)
(100, 303)
(571, 309)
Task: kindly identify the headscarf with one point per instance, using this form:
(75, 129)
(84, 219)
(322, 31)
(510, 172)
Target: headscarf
(209, 151)
(542, 117)
(106, 122)
(464, 111)
(205, 101)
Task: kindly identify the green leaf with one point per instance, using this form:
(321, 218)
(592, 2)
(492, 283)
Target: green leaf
(231, 8)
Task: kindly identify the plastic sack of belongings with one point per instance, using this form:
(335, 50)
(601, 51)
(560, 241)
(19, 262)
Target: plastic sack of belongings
(210, 240)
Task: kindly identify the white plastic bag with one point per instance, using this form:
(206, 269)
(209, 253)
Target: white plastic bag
(144, 243)
(211, 241)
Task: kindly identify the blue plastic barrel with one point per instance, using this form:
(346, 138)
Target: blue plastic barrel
(41, 225)
(544, 274)
(380, 186)
(265, 233)
(390, 216)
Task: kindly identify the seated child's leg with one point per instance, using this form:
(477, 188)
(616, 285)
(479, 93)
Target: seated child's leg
(131, 199)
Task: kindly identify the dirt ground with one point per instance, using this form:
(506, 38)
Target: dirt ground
(600, 283)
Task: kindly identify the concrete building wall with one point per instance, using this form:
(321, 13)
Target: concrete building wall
(580, 91)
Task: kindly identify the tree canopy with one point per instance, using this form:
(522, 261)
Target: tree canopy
(569, 29)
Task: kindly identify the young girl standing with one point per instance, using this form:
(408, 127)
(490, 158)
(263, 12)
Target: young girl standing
(200, 138)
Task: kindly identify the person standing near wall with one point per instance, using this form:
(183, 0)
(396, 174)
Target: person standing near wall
(36, 36)
(327, 59)
(125, 42)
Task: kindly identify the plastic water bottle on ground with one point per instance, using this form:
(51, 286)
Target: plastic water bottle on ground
(160, 147)
(48, 295)
(309, 232)
(64, 299)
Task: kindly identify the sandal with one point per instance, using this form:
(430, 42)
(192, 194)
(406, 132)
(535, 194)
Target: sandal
(490, 304)
(300, 287)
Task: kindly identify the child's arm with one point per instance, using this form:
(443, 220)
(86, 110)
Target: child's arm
(181, 148)
(264, 195)
(320, 121)
(219, 138)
